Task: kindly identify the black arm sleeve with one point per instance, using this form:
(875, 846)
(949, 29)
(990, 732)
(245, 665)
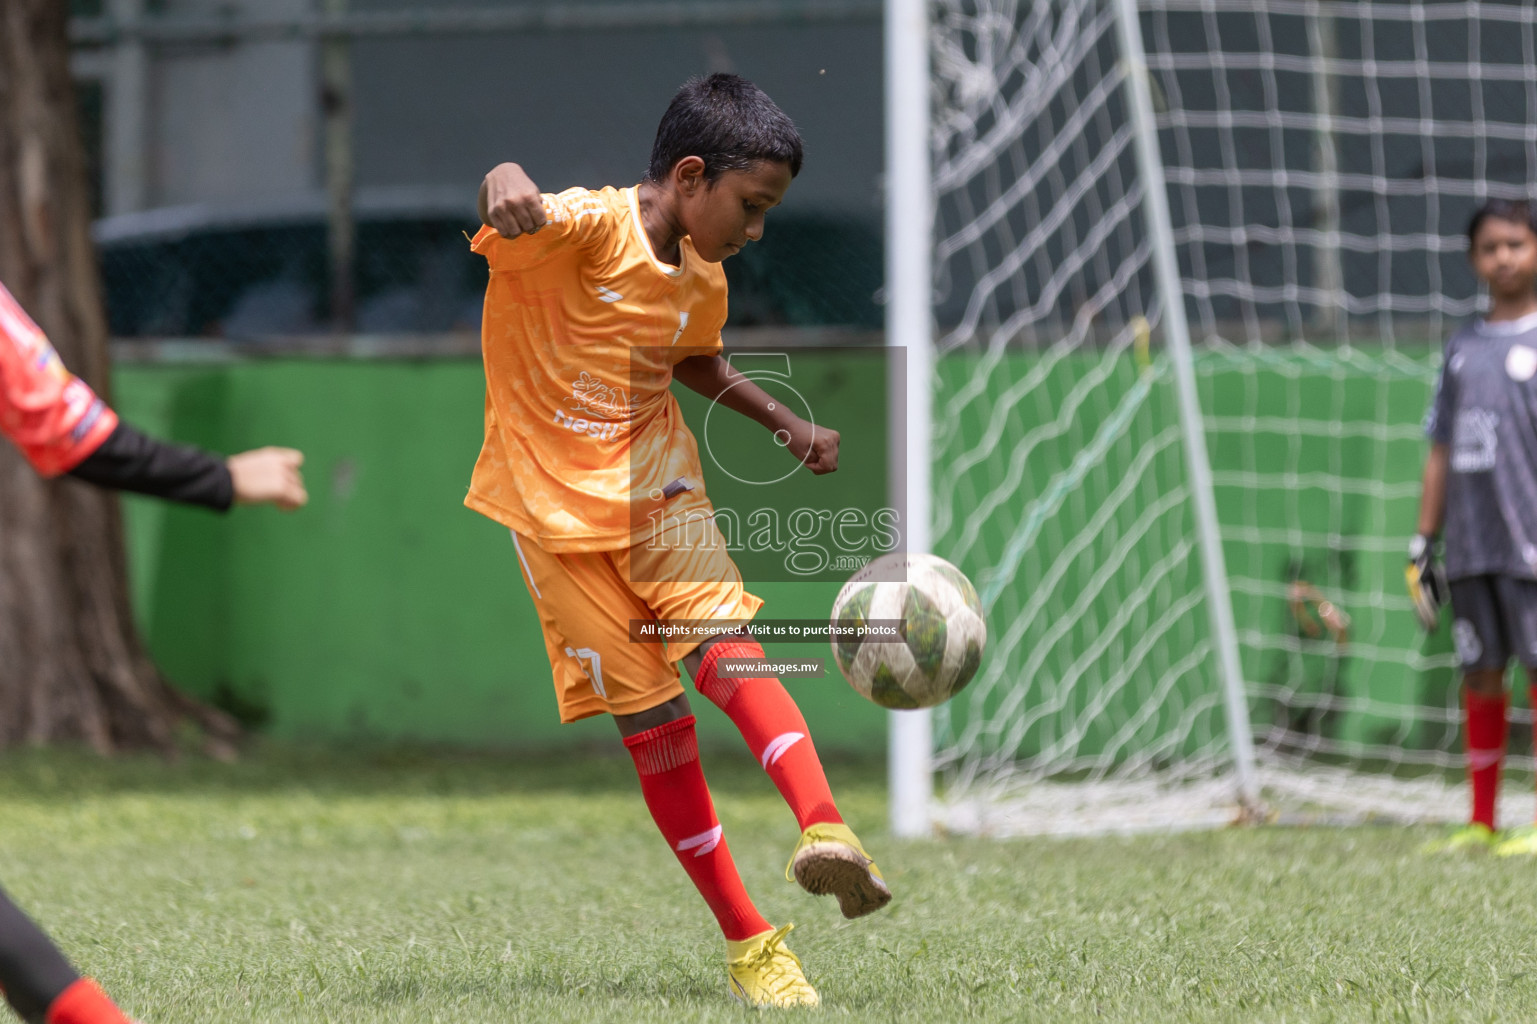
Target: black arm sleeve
(130, 461)
(33, 973)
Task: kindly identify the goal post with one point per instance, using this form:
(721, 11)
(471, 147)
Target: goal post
(909, 331)
(1187, 267)
(1155, 207)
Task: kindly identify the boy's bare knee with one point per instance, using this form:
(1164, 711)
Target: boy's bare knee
(1486, 682)
(671, 711)
(695, 658)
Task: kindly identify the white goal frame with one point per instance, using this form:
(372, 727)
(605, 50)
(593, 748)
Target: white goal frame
(909, 329)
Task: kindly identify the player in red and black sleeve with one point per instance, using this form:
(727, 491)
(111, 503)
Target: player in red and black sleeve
(62, 427)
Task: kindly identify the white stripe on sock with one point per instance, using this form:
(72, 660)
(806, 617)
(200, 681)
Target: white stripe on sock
(705, 841)
(778, 745)
(1477, 759)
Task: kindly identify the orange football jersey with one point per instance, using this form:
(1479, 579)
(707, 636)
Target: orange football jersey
(585, 446)
(51, 415)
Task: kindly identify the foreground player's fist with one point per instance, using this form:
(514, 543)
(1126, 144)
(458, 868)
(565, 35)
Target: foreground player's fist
(268, 476)
(816, 447)
(510, 201)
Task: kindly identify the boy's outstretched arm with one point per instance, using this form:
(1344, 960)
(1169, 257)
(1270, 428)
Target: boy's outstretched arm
(132, 461)
(510, 201)
(712, 376)
(61, 426)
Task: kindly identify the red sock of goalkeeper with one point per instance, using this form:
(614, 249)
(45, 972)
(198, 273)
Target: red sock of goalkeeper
(1485, 747)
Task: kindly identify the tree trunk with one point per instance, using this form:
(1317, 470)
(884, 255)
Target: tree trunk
(72, 667)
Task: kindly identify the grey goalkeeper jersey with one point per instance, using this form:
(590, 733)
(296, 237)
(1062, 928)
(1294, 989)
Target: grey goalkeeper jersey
(1485, 409)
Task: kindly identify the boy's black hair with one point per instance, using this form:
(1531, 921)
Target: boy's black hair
(1516, 211)
(729, 123)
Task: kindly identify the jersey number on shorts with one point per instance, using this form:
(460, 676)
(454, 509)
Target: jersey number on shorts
(591, 664)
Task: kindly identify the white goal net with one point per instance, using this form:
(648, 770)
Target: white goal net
(1322, 161)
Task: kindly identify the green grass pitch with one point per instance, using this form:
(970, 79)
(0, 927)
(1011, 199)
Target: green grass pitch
(410, 887)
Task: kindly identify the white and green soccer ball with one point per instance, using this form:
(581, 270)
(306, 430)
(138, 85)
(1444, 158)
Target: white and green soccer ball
(941, 628)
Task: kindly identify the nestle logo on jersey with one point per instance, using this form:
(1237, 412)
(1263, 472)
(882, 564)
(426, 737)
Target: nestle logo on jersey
(588, 392)
(614, 405)
(597, 430)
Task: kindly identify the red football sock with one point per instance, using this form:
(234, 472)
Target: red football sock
(84, 1003)
(672, 782)
(1484, 742)
(775, 731)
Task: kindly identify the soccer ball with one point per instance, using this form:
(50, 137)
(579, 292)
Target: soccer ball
(942, 630)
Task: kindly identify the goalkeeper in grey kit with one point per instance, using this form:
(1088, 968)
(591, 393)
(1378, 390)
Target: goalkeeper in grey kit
(1481, 482)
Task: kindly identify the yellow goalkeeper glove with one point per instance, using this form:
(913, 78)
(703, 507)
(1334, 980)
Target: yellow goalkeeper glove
(1427, 583)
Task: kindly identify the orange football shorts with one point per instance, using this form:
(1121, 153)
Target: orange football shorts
(586, 601)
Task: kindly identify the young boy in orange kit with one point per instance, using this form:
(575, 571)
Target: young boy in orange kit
(597, 301)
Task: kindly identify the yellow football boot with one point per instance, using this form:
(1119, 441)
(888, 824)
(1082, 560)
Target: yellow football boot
(1518, 842)
(1473, 838)
(829, 860)
(762, 972)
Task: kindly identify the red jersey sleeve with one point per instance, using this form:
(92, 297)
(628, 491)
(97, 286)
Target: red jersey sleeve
(50, 414)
